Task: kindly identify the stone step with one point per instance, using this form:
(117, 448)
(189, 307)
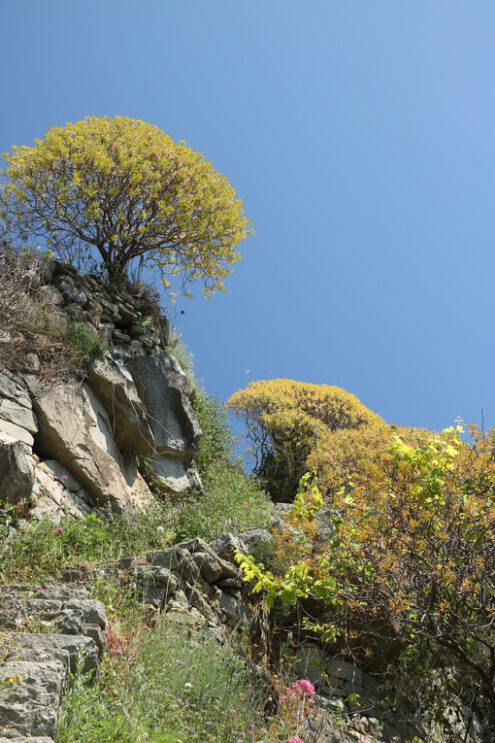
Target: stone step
(30, 695)
(46, 591)
(28, 739)
(26, 646)
(72, 613)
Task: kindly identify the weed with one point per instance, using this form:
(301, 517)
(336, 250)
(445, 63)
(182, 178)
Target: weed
(39, 550)
(232, 502)
(175, 680)
(85, 343)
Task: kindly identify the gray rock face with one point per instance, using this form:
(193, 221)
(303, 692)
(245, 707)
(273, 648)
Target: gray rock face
(162, 387)
(16, 432)
(176, 474)
(74, 429)
(13, 388)
(18, 414)
(57, 493)
(115, 388)
(95, 430)
(16, 470)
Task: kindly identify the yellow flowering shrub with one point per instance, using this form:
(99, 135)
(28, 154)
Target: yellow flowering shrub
(405, 572)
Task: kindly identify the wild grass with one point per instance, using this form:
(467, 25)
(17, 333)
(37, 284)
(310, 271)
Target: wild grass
(40, 549)
(232, 502)
(176, 684)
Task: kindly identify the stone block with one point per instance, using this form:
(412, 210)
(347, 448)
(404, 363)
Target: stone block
(17, 469)
(29, 705)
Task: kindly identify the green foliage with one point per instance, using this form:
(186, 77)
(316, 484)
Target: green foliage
(128, 190)
(176, 681)
(232, 501)
(85, 343)
(408, 563)
(40, 549)
(217, 441)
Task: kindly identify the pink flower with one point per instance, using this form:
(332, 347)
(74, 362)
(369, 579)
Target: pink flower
(20, 504)
(58, 530)
(304, 687)
(296, 740)
(63, 478)
(244, 505)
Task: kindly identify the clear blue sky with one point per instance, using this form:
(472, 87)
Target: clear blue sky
(361, 138)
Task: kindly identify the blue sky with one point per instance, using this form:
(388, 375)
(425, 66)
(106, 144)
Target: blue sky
(360, 136)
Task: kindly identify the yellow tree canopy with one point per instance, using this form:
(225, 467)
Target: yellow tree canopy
(287, 419)
(126, 188)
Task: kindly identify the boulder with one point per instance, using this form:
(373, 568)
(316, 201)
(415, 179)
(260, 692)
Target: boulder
(115, 389)
(226, 546)
(205, 556)
(29, 705)
(50, 295)
(72, 292)
(17, 470)
(254, 537)
(75, 430)
(175, 474)
(209, 567)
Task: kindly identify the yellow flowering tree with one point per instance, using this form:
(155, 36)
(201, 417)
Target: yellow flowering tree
(286, 420)
(125, 188)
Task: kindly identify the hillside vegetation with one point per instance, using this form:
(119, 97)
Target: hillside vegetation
(381, 561)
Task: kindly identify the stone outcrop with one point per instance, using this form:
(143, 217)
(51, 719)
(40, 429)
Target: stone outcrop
(71, 446)
(50, 631)
(162, 387)
(35, 667)
(114, 386)
(74, 429)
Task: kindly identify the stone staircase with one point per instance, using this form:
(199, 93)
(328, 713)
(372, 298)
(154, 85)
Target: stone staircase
(51, 631)
(68, 630)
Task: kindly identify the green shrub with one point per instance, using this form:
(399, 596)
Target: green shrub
(85, 343)
(185, 357)
(217, 441)
(232, 501)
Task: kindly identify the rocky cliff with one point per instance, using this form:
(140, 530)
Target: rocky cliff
(69, 445)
